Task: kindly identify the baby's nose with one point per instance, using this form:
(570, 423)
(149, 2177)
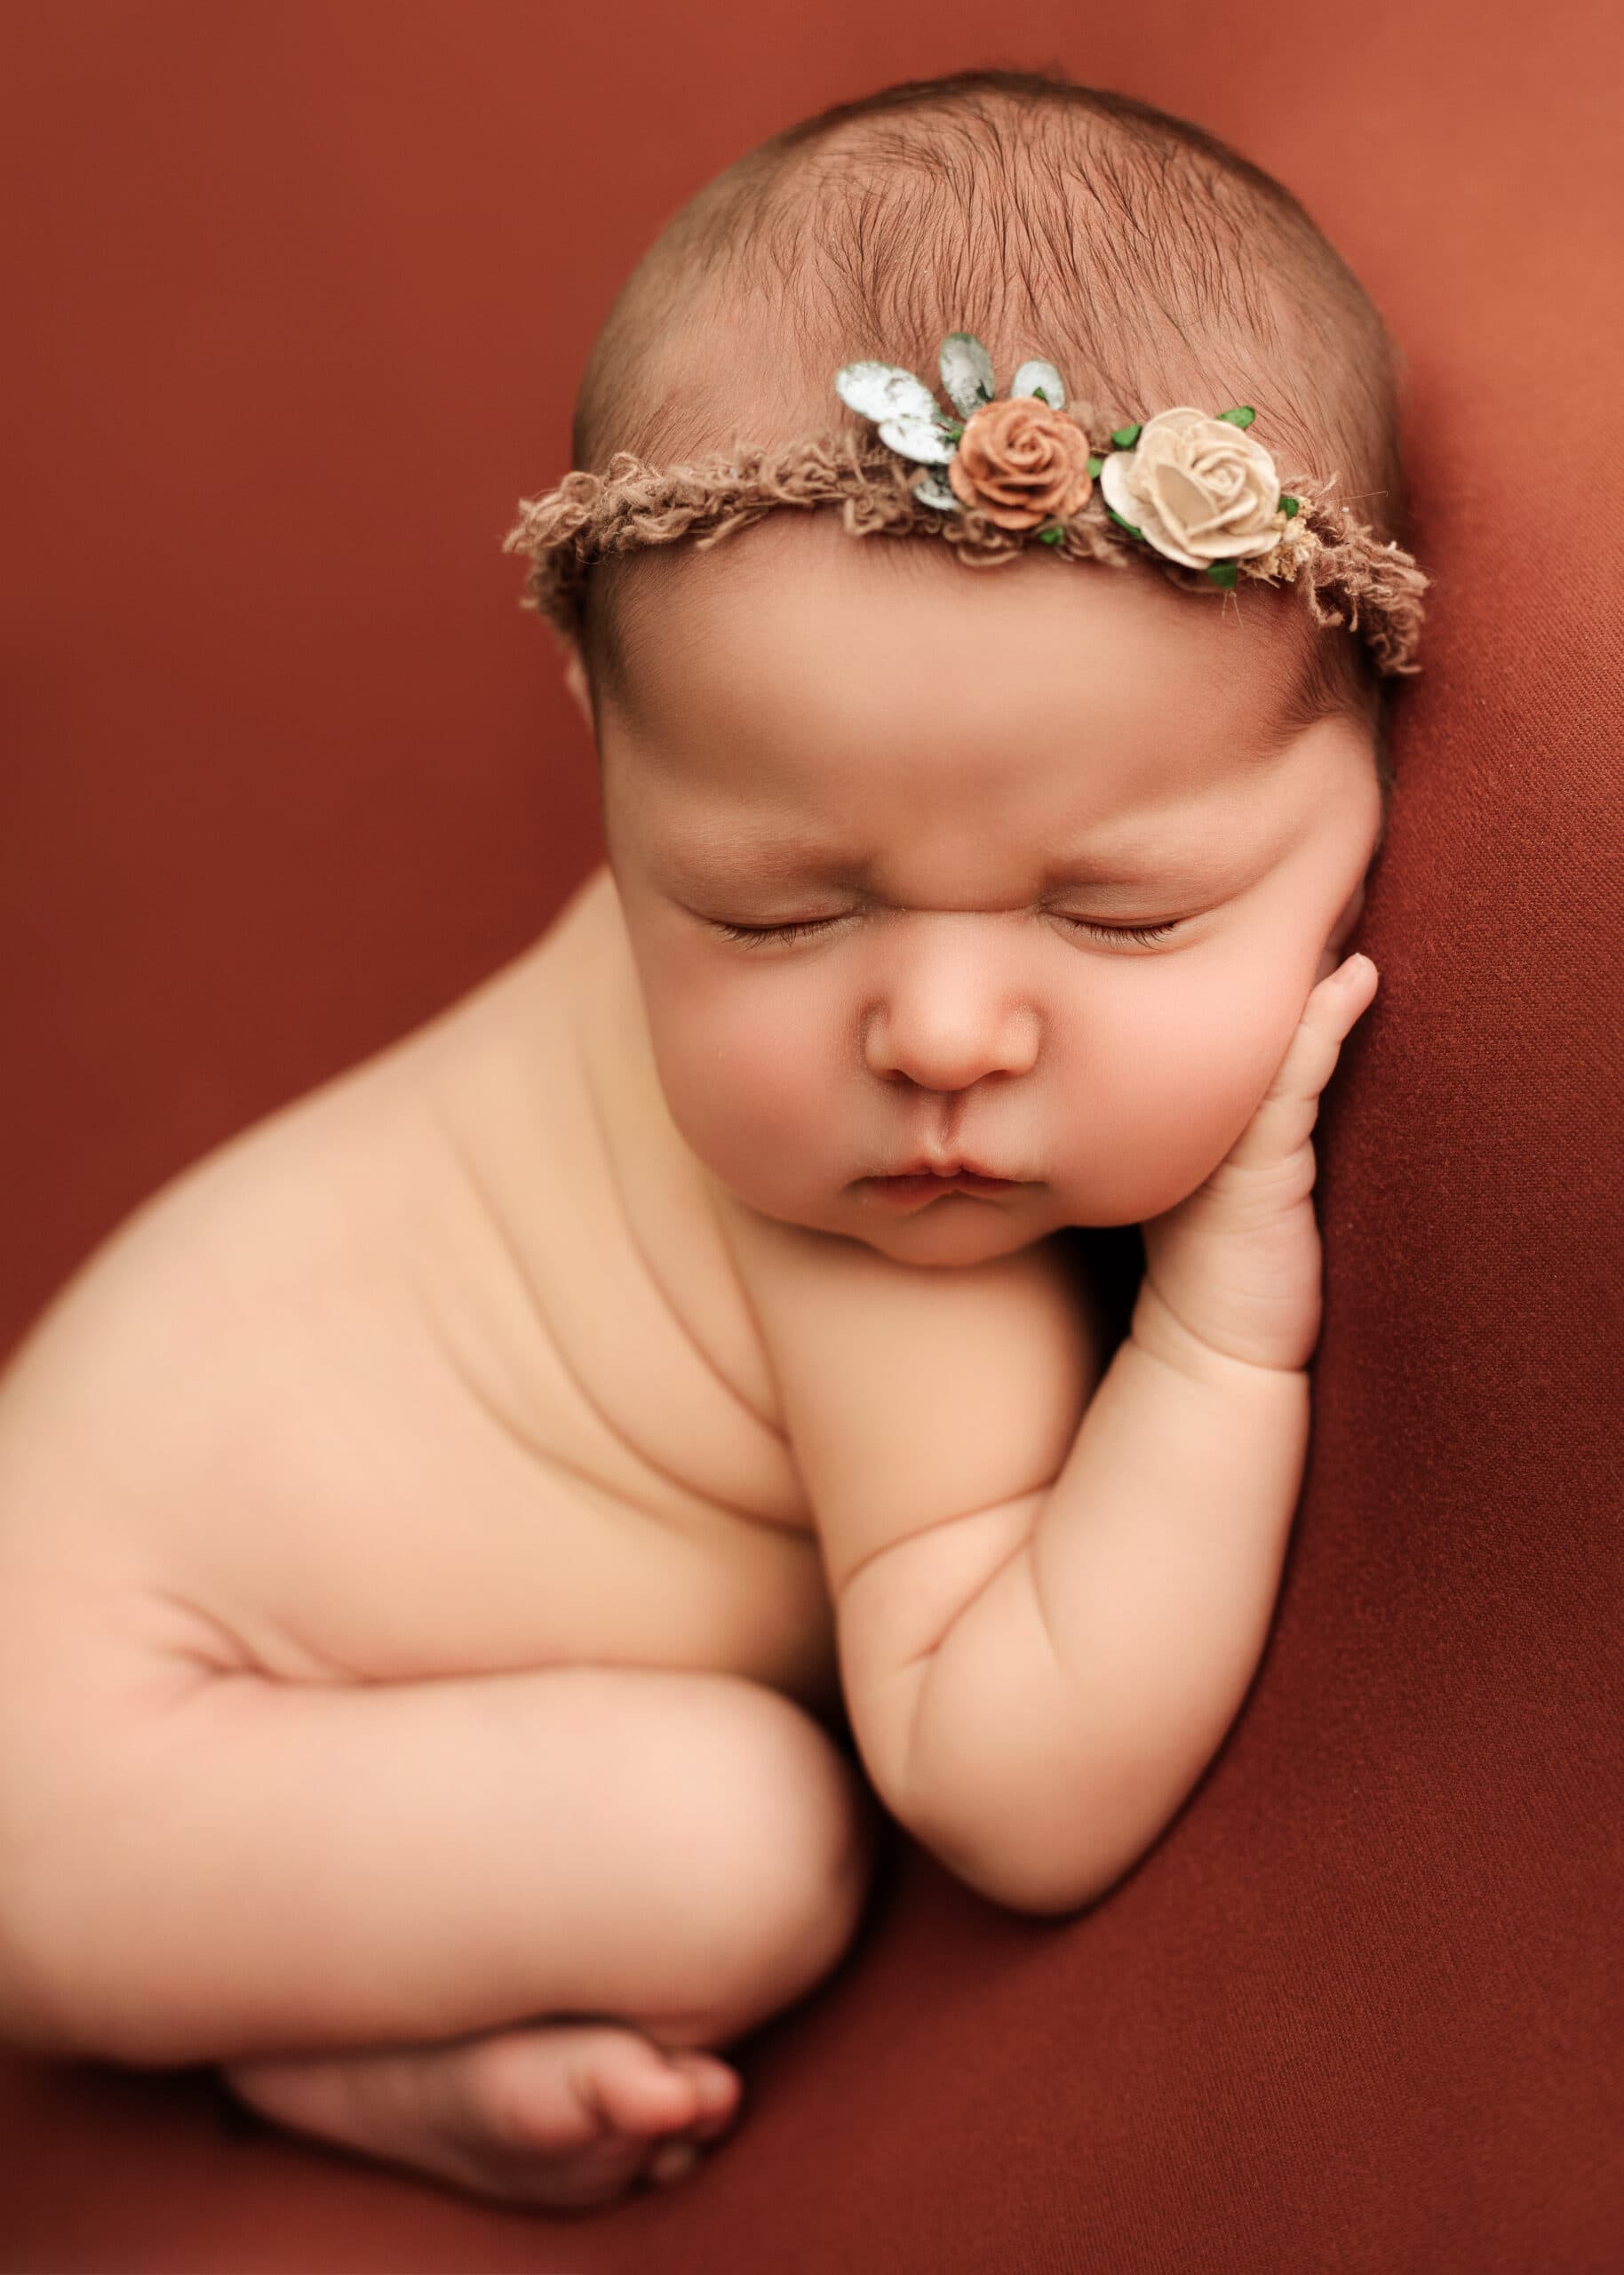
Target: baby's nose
(945, 1038)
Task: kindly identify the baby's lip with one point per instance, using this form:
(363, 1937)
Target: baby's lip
(925, 1185)
(923, 1189)
(920, 1167)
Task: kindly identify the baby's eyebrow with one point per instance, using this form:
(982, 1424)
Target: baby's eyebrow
(800, 862)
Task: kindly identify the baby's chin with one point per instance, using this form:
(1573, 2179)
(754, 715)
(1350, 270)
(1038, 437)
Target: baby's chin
(953, 1229)
(1097, 1195)
(967, 1227)
(954, 1237)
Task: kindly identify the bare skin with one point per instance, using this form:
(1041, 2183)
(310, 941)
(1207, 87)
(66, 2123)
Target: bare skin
(466, 1479)
(515, 1975)
(564, 2116)
(569, 2113)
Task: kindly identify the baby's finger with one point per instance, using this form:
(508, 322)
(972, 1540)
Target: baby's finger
(1284, 1121)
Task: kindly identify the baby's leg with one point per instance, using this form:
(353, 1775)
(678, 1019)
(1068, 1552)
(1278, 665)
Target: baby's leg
(321, 1886)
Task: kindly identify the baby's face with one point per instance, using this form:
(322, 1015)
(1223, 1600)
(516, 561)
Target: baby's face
(940, 802)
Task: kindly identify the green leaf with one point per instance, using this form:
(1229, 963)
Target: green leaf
(1041, 396)
(1096, 466)
(1290, 506)
(1121, 525)
(1125, 437)
(1242, 415)
(954, 433)
(1050, 537)
(1223, 572)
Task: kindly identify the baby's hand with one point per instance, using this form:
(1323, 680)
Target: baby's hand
(1238, 1260)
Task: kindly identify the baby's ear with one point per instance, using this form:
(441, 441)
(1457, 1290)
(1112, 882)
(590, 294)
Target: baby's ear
(574, 679)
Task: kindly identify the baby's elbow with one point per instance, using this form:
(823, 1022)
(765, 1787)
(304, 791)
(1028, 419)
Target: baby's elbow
(1019, 1854)
(1041, 1894)
(1035, 1881)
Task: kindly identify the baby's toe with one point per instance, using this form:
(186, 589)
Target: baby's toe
(718, 2091)
(580, 2111)
(636, 2098)
(639, 2087)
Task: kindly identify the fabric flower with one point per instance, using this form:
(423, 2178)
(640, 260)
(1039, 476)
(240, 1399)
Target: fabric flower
(1019, 467)
(1020, 463)
(1198, 489)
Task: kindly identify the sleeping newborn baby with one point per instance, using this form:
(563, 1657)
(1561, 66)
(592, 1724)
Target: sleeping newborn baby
(480, 1553)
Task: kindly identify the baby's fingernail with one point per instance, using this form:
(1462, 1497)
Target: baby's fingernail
(1350, 970)
(671, 2162)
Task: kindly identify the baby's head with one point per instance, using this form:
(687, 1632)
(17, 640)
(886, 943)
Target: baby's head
(1032, 865)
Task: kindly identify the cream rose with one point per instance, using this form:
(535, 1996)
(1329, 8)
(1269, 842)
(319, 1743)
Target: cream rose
(1199, 489)
(1020, 463)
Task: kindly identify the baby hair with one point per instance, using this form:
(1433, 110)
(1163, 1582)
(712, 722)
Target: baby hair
(1147, 259)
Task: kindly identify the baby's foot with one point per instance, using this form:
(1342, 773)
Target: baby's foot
(564, 2115)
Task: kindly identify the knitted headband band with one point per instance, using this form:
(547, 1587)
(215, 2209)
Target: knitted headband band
(1197, 496)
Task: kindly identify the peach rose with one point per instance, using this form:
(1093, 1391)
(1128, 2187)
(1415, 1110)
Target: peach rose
(1020, 463)
(1199, 490)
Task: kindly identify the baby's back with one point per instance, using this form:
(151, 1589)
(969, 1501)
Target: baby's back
(444, 1369)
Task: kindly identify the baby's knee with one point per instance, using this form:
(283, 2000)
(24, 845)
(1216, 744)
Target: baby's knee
(685, 1849)
(790, 1830)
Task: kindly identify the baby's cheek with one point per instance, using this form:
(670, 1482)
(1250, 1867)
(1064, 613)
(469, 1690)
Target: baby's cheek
(1162, 1102)
(746, 1090)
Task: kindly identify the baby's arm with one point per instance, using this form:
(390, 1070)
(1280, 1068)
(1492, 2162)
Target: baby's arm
(1046, 1629)
(1074, 1703)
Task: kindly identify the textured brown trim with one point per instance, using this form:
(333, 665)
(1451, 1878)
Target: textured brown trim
(1347, 575)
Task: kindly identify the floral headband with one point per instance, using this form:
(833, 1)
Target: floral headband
(1197, 495)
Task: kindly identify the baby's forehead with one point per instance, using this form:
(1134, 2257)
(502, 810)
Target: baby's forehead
(797, 629)
(755, 789)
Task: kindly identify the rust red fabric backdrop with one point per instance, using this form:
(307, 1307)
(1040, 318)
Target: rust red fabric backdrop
(297, 299)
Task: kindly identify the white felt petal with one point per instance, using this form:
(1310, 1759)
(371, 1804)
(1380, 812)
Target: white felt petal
(1035, 374)
(930, 489)
(1157, 533)
(884, 391)
(1114, 490)
(966, 372)
(1183, 500)
(1219, 546)
(918, 438)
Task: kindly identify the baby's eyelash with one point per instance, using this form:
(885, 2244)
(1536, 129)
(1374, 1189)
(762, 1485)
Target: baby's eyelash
(1149, 936)
(752, 935)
